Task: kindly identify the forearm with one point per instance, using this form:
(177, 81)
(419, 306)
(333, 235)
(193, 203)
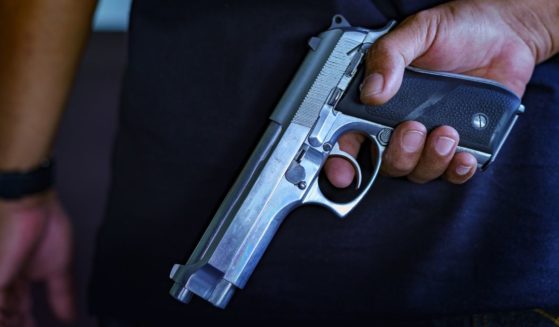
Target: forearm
(40, 47)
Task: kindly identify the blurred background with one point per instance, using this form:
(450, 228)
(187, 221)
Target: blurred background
(83, 145)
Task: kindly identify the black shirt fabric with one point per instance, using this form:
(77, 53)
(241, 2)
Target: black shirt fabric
(201, 81)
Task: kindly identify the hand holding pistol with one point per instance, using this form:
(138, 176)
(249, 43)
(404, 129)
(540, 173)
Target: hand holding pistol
(322, 103)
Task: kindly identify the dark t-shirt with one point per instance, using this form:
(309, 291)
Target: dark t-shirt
(201, 81)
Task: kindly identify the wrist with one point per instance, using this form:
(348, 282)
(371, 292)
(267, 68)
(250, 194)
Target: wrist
(16, 184)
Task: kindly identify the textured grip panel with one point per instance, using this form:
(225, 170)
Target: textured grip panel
(436, 99)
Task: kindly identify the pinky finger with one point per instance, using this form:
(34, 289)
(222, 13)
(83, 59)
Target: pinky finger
(27, 309)
(462, 167)
(61, 296)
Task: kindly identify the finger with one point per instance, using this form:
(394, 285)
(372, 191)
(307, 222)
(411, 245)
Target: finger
(14, 302)
(339, 171)
(462, 167)
(437, 154)
(404, 150)
(10, 318)
(26, 306)
(388, 56)
(12, 297)
(20, 229)
(60, 292)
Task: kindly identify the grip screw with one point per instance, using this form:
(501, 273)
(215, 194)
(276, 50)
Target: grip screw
(327, 147)
(479, 121)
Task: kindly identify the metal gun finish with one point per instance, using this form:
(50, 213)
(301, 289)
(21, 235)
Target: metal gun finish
(282, 173)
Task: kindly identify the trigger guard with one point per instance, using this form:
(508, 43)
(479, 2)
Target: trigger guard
(315, 195)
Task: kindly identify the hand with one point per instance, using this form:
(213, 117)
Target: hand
(500, 40)
(35, 245)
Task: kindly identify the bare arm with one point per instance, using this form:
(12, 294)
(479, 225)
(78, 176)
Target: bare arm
(40, 46)
(39, 52)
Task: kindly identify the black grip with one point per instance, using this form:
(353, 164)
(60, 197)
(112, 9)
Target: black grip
(480, 110)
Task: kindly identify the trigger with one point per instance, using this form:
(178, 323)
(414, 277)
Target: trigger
(337, 152)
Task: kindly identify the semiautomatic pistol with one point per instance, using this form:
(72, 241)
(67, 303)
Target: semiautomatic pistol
(320, 104)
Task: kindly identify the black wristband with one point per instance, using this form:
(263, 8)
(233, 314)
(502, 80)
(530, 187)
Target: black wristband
(15, 185)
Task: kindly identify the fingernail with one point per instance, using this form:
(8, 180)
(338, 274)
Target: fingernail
(463, 170)
(444, 145)
(373, 84)
(412, 140)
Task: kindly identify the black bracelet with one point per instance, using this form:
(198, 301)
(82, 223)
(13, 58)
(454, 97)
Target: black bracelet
(15, 185)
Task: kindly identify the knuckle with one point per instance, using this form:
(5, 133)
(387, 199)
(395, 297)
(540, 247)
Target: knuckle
(429, 18)
(423, 16)
(429, 171)
(403, 165)
(418, 179)
(461, 181)
(382, 48)
(427, 22)
(451, 178)
(397, 165)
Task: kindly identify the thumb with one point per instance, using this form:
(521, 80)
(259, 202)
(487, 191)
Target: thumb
(60, 293)
(388, 57)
